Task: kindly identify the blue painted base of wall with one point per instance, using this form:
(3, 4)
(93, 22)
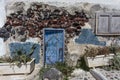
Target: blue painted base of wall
(88, 37)
(26, 48)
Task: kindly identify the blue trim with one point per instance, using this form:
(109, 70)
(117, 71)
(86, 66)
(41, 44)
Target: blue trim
(25, 47)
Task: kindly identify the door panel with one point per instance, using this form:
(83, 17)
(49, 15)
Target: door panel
(115, 24)
(102, 23)
(53, 45)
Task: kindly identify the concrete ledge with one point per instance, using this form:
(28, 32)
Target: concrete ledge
(12, 68)
(99, 60)
(33, 76)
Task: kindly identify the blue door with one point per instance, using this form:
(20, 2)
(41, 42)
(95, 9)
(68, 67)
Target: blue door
(53, 45)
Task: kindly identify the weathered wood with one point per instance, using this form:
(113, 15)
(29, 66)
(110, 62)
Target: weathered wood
(115, 24)
(103, 24)
(108, 23)
(53, 45)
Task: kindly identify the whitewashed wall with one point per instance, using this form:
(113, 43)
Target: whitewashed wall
(2, 22)
(114, 3)
(59, 3)
(2, 47)
(2, 13)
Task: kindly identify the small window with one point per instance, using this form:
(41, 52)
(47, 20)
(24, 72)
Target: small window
(107, 23)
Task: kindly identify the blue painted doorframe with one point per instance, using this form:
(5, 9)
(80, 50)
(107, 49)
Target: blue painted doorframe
(53, 45)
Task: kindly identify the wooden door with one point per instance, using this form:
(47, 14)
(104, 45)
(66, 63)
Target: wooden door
(53, 45)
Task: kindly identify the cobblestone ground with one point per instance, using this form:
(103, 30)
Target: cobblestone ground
(83, 76)
(110, 75)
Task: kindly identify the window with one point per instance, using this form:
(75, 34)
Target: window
(108, 23)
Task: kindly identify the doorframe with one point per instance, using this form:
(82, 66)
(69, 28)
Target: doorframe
(44, 54)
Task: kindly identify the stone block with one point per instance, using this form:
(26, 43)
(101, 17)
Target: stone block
(53, 74)
(11, 68)
(100, 60)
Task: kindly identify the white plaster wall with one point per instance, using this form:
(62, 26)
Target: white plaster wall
(111, 3)
(2, 13)
(74, 1)
(2, 22)
(59, 3)
(2, 47)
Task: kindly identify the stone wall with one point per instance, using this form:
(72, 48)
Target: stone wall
(73, 50)
(89, 8)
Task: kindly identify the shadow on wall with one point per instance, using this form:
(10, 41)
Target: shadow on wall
(26, 48)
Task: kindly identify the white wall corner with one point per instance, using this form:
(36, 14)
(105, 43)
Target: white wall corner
(2, 13)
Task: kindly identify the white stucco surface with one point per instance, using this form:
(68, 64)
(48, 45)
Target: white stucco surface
(59, 3)
(2, 22)
(2, 13)
(2, 47)
(74, 1)
(113, 3)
